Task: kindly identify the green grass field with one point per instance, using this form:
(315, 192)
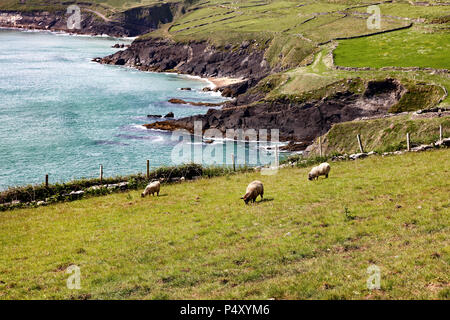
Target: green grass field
(307, 240)
(405, 48)
(223, 22)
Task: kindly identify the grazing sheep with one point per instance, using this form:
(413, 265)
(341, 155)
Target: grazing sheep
(152, 188)
(254, 189)
(321, 170)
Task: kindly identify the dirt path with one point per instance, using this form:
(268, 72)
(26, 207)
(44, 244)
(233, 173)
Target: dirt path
(99, 14)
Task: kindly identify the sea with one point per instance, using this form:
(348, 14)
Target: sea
(63, 115)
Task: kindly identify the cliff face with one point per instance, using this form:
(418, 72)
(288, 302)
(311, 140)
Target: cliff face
(130, 23)
(297, 121)
(195, 58)
(144, 19)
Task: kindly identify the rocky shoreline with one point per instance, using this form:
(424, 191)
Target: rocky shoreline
(130, 23)
(198, 58)
(299, 120)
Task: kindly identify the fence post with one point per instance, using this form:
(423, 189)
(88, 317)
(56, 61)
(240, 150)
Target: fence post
(276, 157)
(359, 143)
(46, 180)
(320, 146)
(441, 133)
(408, 142)
(148, 169)
(233, 161)
(101, 173)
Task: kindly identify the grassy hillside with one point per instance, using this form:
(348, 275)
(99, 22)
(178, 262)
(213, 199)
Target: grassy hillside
(382, 135)
(198, 240)
(297, 36)
(293, 34)
(406, 48)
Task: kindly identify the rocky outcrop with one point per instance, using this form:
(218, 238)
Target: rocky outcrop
(296, 121)
(130, 23)
(192, 103)
(196, 58)
(57, 21)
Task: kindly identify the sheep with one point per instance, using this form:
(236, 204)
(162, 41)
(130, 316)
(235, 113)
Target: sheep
(254, 189)
(321, 170)
(152, 188)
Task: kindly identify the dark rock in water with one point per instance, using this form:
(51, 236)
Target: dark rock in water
(169, 115)
(197, 104)
(97, 59)
(208, 141)
(154, 116)
(206, 89)
(177, 101)
(186, 89)
(120, 62)
(168, 125)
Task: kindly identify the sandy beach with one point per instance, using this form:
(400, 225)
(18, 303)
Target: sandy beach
(224, 81)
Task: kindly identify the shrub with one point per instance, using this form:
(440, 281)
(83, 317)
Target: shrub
(61, 191)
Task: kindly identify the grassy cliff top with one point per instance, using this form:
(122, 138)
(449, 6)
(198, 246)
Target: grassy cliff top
(306, 39)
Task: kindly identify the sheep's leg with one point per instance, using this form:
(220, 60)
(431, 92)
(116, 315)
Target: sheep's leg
(157, 194)
(262, 196)
(326, 176)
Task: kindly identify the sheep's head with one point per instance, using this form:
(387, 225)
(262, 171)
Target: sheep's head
(310, 176)
(245, 198)
(142, 195)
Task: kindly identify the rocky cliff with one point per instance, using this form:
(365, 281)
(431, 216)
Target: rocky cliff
(196, 58)
(130, 23)
(298, 120)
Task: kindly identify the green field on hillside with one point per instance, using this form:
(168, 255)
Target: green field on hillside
(405, 48)
(225, 22)
(306, 240)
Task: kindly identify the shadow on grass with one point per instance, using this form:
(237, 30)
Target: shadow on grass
(264, 200)
(155, 196)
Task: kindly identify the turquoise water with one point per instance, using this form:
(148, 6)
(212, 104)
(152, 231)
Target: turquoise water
(64, 115)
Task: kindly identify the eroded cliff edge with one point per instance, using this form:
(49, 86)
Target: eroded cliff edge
(298, 118)
(198, 58)
(129, 23)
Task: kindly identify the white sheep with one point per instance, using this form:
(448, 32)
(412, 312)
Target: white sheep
(152, 188)
(254, 190)
(321, 170)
